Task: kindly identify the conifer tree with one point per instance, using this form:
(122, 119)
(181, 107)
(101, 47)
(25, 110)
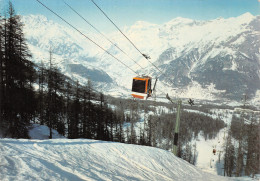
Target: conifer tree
(19, 75)
(239, 155)
(91, 112)
(41, 82)
(229, 158)
(120, 119)
(74, 114)
(85, 115)
(253, 153)
(58, 102)
(101, 118)
(68, 95)
(1, 69)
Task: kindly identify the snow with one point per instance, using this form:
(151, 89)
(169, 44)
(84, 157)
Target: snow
(234, 66)
(82, 159)
(206, 160)
(195, 90)
(256, 100)
(42, 132)
(180, 34)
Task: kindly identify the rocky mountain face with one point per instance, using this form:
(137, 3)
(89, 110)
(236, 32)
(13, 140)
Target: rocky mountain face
(232, 64)
(205, 59)
(93, 74)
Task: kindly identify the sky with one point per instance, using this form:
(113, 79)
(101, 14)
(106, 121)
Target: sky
(127, 12)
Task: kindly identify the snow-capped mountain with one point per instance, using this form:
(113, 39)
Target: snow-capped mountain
(68, 48)
(222, 52)
(198, 59)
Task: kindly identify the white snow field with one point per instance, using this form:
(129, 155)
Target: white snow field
(83, 159)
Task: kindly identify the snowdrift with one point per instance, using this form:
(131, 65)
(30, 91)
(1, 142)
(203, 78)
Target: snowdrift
(82, 159)
(41, 132)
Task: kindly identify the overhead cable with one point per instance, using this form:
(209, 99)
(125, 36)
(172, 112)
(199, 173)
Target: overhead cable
(117, 27)
(144, 55)
(86, 36)
(102, 34)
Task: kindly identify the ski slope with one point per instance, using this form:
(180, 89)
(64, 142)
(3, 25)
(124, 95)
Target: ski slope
(82, 159)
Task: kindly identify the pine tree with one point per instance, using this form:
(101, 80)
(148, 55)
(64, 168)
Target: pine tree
(1, 70)
(54, 103)
(253, 154)
(74, 114)
(50, 96)
(85, 115)
(121, 132)
(101, 118)
(150, 131)
(133, 137)
(229, 158)
(120, 119)
(112, 118)
(59, 104)
(19, 75)
(121, 123)
(41, 82)
(91, 112)
(240, 155)
(128, 134)
(68, 95)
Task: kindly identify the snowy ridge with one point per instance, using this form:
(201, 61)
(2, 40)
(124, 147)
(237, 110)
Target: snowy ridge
(63, 159)
(230, 40)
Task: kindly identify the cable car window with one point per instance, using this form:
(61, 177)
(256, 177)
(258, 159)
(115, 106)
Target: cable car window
(138, 86)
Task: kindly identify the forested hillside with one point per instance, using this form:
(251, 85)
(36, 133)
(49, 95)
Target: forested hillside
(41, 94)
(38, 94)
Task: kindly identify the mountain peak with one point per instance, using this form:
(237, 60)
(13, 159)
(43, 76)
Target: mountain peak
(179, 21)
(194, 46)
(247, 17)
(247, 14)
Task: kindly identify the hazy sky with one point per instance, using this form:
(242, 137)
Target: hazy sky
(126, 12)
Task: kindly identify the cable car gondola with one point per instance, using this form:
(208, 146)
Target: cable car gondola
(142, 87)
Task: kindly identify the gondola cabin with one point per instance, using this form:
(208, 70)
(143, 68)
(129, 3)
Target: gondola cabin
(141, 87)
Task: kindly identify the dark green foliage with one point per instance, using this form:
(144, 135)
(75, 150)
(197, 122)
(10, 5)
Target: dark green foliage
(229, 157)
(18, 99)
(243, 158)
(59, 103)
(191, 125)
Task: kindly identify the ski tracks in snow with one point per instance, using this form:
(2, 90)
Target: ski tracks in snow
(82, 159)
(31, 158)
(147, 172)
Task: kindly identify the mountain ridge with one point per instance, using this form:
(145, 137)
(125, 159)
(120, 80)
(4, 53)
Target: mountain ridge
(196, 53)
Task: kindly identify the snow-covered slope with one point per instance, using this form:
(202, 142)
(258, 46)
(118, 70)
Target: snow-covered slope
(204, 59)
(41, 132)
(81, 159)
(71, 53)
